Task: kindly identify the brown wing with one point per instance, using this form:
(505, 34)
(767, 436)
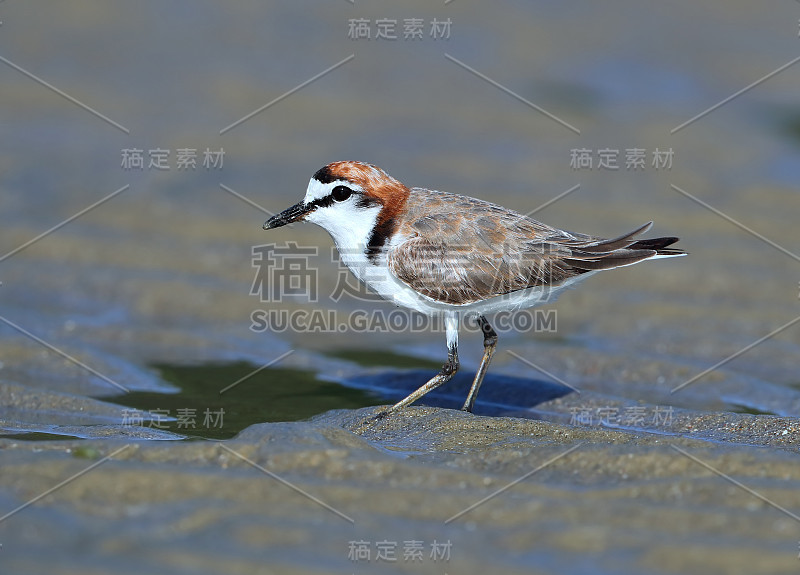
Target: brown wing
(457, 275)
(466, 250)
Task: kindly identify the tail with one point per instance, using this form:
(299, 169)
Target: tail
(600, 254)
(659, 245)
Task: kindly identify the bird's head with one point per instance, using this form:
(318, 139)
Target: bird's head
(356, 203)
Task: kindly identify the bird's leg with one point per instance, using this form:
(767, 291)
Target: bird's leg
(489, 343)
(449, 369)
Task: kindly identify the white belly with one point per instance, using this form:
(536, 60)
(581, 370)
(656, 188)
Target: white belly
(380, 280)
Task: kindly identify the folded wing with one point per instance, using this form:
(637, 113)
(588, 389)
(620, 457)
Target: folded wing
(461, 258)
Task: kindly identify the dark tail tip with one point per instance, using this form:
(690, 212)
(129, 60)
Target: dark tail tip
(657, 244)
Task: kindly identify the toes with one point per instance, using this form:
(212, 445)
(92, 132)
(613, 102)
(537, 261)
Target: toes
(370, 420)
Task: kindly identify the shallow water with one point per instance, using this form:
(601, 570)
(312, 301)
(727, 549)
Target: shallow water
(206, 407)
(652, 429)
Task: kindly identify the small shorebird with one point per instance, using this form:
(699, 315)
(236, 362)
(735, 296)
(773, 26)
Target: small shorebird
(442, 253)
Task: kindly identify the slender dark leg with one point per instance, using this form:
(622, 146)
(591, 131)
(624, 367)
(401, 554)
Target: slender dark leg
(489, 343)
(449, 369)
(447, 372)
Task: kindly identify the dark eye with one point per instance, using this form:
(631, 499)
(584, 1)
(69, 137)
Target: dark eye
(341, 193)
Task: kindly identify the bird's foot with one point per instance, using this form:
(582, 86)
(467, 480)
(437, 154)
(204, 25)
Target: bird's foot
(371, 420)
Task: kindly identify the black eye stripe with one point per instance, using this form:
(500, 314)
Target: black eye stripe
(323, 202)
(362, 201)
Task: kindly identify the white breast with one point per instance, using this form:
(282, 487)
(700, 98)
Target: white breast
(350, 227)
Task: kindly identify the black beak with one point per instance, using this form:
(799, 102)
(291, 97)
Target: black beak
(289, 215)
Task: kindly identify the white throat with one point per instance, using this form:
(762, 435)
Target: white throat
(349, 225)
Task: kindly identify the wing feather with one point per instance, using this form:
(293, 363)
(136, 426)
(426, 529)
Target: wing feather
(462, 250)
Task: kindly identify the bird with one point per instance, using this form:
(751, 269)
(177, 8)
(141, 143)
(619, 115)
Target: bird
(453, 256)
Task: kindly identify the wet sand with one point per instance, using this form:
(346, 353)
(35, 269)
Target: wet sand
(507, 494)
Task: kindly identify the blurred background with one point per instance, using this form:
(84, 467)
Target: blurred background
(602, 116)
(496, 102)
